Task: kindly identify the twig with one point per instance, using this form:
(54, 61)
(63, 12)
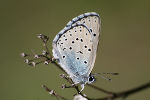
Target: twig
(53, 93)
(47, 58)
(72, 86)
(123, 94)
(132, 91)
(44, 39)
(99, 89)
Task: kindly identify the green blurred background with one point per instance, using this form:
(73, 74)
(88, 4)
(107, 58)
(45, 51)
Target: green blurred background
(124, 45)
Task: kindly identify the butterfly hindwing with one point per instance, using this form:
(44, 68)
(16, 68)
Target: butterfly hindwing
(74, 49)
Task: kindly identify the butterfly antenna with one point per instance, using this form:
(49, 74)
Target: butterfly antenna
(110, 73)
(104, 77)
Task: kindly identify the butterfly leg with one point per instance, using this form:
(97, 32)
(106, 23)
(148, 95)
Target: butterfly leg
(67, 78)
(82, 88)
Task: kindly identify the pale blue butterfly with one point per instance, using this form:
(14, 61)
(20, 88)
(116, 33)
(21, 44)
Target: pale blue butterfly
(75, 47)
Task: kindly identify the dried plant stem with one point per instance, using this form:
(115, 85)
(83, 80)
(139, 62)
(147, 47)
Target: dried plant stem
(123, 94)
(47, 58)
(53, 93)
(99, 89)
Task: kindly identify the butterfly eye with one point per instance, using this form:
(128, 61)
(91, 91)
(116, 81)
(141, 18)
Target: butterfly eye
(91, 79)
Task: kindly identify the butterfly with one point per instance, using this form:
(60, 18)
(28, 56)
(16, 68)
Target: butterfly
(75, 47)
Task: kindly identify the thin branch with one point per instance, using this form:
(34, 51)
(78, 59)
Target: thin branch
(56, 64)
(44, 39)
(72, 86)
(99, 89)
(123, 94)
(47, 58)
(132, 91)
(53, 93)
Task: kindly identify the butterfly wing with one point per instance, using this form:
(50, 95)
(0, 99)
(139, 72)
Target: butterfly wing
(75, 46)
(92, 22)
(72, 48)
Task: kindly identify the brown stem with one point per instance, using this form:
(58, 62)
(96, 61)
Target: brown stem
(111, 95)
(53, 93)
(124, 94)
(99, 89)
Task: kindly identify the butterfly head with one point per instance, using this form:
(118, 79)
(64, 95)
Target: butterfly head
(91, 79)
(83, 79)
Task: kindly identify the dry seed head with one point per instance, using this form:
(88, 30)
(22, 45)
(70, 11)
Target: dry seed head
(33, 64)
(63, 86)
(62, 75)
(36, 56)
(44, 52)
(39, 36)
(23, 54)
(46, 62)
(51, 92)
(26, 61)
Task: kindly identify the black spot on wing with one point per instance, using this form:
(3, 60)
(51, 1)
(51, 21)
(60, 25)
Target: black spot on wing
(77, 38)
(80, 52)
(91, 30)
(70, 48)
(85, 62)
(64, 49)
(89, 49)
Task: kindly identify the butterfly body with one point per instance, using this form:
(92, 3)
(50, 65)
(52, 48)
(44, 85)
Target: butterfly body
(75, 46)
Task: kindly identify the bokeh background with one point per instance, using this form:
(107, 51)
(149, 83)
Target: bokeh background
(124, 45)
